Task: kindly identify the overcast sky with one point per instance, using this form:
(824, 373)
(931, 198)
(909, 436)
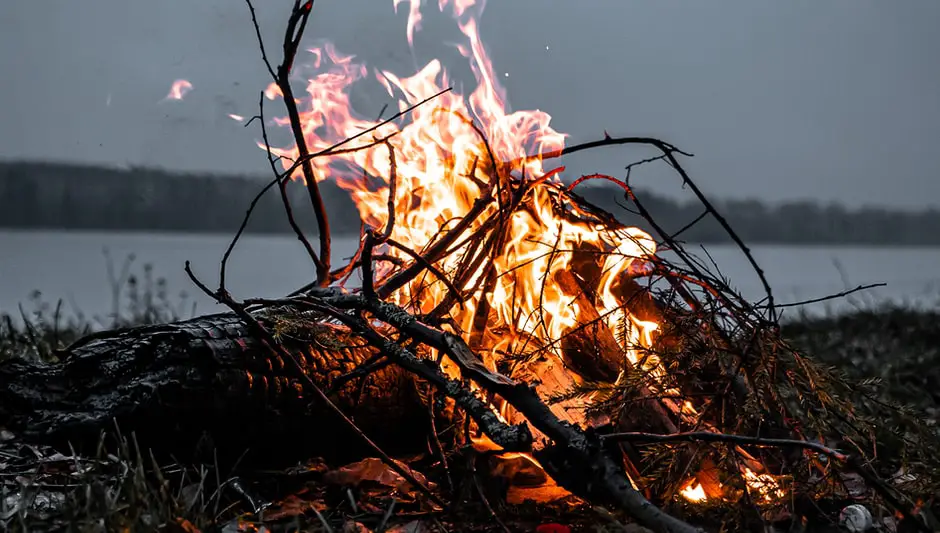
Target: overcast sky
(778, 99)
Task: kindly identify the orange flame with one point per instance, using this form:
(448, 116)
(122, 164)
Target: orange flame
(435, 151)
(446, 153)
(694, 492)
(178, 90)
(764, 486)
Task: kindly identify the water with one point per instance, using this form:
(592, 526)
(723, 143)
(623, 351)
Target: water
(72, 266)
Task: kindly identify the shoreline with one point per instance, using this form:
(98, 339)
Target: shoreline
(814, 245)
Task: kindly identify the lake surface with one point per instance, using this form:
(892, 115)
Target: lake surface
(73, 267)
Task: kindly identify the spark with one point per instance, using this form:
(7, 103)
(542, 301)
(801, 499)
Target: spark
(178, 90)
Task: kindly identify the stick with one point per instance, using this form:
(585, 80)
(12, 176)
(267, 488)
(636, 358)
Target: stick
(576, 460)
(278, 349)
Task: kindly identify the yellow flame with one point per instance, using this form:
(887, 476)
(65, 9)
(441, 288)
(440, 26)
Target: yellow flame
(445, 154)
(693, 492)
(435, 150)
(765, 486)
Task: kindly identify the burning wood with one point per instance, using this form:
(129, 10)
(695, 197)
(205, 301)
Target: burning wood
(555, 332)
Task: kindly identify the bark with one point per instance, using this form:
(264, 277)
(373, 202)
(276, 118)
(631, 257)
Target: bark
(176, 383)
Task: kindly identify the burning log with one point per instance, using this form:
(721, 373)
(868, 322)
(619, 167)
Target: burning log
(173, 383)
(594, 353)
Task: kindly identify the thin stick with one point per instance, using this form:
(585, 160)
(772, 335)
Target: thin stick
(706, 436)
(241, 229)
(833, 296)
(668, 152)
(278, 349)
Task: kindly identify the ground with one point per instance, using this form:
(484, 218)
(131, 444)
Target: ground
(121, 491)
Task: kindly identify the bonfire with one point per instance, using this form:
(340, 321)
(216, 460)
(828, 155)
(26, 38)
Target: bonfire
(524, 324)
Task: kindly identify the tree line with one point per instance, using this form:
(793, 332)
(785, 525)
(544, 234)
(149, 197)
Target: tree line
(75, 197)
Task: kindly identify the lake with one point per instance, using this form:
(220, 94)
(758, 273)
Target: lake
(72, 266)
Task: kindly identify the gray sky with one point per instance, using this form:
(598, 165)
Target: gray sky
(837, 100)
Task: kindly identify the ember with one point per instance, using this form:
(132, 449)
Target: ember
(178, 90)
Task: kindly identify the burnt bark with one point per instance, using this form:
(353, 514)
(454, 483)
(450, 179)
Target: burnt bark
(208, 380)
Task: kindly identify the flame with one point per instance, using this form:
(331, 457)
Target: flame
(178, 90)
(447, 155)
(434, 154)
(693, 492)
(764, 486)
(443, 166)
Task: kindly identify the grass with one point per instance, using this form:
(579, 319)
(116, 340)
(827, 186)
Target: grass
(128, 491)
(894, 351)
(898, 346)
(121, 488)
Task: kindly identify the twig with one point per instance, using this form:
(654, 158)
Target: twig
(706, 436)
(278, 349)
(437, 440)
(419, 259)
(264, 55)
(833, 296)
(296, 24)
(368, 286)
(579, 461)
(281, 181)
(241, 229)
(435, 252)
(510, 438)
(668, 153)
(483, 498)
(292, 37)
(392, 188)
(386, 516)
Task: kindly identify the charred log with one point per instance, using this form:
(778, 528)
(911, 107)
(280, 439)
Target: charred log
(209, 381)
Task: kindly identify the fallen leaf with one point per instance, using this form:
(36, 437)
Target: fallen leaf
(547, 492)
(313, 466)
(183, 525)
(371, 470)
(552, 528)
(292, 506)
(355, 527)
(518, 470)
(415, 526)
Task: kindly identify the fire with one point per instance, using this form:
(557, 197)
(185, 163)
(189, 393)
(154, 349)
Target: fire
(449, 154)
(693, 492)
(178, 90)
(764, 486)
(435, 154)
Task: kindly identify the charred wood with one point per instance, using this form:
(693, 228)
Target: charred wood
(210, 381)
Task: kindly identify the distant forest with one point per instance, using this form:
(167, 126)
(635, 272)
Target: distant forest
(62, 196)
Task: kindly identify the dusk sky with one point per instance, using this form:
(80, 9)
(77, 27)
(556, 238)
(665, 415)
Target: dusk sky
(836, 100)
